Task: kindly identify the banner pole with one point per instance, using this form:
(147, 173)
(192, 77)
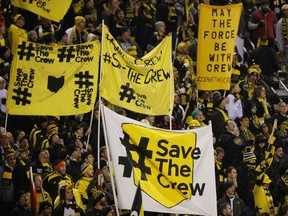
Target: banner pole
(171, 87)
(99, 118)
(109, 159)
(6, 120)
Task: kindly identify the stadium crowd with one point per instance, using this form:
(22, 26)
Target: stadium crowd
(72, 176)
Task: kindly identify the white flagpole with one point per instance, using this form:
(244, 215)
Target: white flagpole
(99, 118)
(171, 87)
(6, 120)
(109, 160)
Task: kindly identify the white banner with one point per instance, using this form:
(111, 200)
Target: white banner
(175, 168)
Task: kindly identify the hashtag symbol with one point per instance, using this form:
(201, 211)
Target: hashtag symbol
(25, 51)
(142, 152)
(62, 53)
(107, 58)
(127, 93)
(84, 79)
(22, 96)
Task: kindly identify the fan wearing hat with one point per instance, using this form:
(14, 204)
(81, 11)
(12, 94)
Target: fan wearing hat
(262, 196)
(50, 182)
(82, 184)
(237, 204)
(38, 132)
(50, 131)
(20, 176)
(266, 57)
(246, 179)
(117, 23)
(239, 71)
(260, 148)
(46, 31)
(183, 62)
(16, 31)
(250, 82)
(21, 207)
(127, 44)
(45, 209)
(77, 34)
(97, 201)
(261, 23)
(61, 37)
(219, 116)
(6, 188)
(67, 205)
(158, 36)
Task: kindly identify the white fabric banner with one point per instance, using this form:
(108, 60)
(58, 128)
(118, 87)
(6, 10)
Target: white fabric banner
(175, 168)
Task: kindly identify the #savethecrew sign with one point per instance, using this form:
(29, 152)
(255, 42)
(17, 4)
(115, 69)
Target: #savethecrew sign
(218, 27)
(175, 168)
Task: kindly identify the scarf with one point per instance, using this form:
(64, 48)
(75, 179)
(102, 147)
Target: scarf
(224, 114)
(247, 134)
(75, 35)
(236, 96)
(285, 30)
(264, 105)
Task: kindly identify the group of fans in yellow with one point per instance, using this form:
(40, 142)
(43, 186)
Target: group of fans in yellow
(62, 155)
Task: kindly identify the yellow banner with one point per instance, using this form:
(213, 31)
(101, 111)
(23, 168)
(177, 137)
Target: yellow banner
(51, 9)
(218, 27)
(60, 80)
(141, 85)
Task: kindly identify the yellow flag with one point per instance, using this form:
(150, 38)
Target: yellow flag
(50, 9)
(141, 85)
(60, 80)
(218, 26)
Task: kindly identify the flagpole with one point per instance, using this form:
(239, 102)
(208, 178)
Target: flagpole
(109, 160)
(100, 103)
(171, 87)
(6, 120)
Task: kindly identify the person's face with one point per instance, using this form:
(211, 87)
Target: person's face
(233, 174)
(282, 108)
(199, 117)
(231, 190)
(265, 7)
(162, 28)
(90, 173)
(47, 212)
(90, 4)
(24, 155)
(115, 4)
(62, 170)
(261, 145)
(236, 89)
(219, 156)
(21, 22)
(263, 93)
(245, 122)
(253, 109)
(279, 153)
(111, 213)
(42, 157)
(235, 59)
(81, 25)
(120, 15)
(151, 119)
(21, 135)
(69, 195)
(230, 126)
(126, 35)
(285, 12)
(80, 132)
(5, 139)
(265, 128)
(253, 77)
(223, 104)
(3, 30)
(228, 210)
(11, 161)
(64, 39)
(90, 159)
(24, 143)
(24, 200)
(38, 182)
(166, 118)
